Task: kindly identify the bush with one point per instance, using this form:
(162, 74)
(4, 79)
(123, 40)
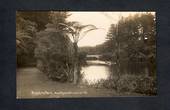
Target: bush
(146, 85)
(142, 84)
(54, 53)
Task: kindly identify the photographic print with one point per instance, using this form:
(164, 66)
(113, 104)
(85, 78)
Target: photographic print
(76, 54)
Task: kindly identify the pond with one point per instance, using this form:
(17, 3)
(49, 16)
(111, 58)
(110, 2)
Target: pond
(95, 70)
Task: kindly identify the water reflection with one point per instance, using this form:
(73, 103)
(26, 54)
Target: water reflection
(95, 71)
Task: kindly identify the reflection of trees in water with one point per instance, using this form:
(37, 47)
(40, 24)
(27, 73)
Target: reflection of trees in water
(94, 72)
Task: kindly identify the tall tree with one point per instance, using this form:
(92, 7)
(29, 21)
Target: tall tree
(76, 32)
(28, 23)
(25, 34)
(136, 39)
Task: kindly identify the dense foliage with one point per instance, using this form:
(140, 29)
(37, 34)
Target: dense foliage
(135, 36)
(25, 35)
(129, 84)
(133, 45)
(54, 52)
(40, 41)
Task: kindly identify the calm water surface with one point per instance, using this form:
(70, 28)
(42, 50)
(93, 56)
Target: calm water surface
(95, 71)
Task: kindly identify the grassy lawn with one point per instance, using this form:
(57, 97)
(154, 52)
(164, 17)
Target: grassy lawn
(31, 83)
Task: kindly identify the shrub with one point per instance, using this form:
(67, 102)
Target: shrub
(146, 85)
(54, 54)
(142, 84)
(137, 83)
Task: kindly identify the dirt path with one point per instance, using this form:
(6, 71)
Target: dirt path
(31, 83)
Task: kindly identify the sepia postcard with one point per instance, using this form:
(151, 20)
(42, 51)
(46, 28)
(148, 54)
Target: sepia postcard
(77, 54)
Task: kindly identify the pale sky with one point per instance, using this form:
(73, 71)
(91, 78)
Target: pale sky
(100, 20)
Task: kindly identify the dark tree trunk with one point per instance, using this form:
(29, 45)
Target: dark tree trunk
(75, 74)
